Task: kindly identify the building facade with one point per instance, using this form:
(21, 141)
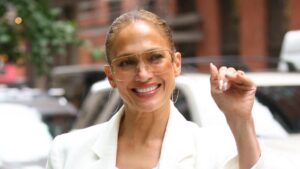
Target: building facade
(240, 29)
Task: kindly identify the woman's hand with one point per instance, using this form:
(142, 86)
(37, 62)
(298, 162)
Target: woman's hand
(233, 92)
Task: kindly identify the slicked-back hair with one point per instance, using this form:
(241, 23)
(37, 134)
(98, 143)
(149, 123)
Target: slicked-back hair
(131, 17)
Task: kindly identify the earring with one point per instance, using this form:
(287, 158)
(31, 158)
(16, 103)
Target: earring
(176, 97)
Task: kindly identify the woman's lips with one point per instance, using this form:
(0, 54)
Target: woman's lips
(144, 90)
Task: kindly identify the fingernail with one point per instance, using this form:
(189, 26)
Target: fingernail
(223, 85)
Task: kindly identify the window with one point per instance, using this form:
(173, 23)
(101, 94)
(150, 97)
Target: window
(90, 110)
(229, 27)
(186, 6)
(114, 7)
(276, 27)
(283, 101)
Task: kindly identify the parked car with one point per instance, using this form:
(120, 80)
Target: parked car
(192, 97)
(76, 80)
(276, 111)
(29, 120)
(25, 138)
(55, 111)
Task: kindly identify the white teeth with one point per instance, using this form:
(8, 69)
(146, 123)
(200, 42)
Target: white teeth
(144, 90)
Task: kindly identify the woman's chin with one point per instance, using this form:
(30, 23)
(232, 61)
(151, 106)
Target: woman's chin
(152, 105)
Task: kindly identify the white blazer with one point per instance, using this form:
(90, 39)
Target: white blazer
(185, 146)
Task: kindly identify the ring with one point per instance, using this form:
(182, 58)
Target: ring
(241, 72)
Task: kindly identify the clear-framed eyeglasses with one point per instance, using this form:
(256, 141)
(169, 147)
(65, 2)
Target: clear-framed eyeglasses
(156, 61)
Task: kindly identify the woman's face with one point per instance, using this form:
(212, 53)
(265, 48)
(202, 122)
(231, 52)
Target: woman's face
(143, 67)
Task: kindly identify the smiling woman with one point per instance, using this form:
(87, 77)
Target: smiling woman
(148, 131)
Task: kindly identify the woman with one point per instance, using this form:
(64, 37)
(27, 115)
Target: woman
(148, 131)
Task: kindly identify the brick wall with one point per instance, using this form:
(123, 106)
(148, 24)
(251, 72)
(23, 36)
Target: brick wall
(93, 18)
(293, 14)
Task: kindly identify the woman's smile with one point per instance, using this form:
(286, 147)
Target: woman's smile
(146, 90)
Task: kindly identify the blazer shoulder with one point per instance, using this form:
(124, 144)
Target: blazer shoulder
(80, 136)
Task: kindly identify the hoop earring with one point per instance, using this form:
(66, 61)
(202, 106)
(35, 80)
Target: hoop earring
(110, 92)
(176, 97)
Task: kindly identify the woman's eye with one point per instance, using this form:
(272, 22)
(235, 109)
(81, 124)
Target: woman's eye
(155, 57)
(124, 63)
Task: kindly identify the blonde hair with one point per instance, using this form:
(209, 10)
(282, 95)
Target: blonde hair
(130, 17)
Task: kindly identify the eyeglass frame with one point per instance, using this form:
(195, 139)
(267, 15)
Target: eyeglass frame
(138, 55)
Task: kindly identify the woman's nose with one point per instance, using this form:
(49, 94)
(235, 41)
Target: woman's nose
(143, 72)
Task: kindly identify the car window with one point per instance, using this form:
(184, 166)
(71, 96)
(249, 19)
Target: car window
(111, 107)
(94, 102)
(284, 103)
(59, 124)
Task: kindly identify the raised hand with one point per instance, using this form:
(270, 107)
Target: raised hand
(232, 91)
(234, 94)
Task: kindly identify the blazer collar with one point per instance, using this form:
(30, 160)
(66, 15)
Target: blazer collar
(105, 146)
(177, 147)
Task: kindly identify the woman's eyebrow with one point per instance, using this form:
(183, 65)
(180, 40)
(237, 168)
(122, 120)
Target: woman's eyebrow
(126, 54)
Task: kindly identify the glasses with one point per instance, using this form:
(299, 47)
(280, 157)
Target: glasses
(156, 61)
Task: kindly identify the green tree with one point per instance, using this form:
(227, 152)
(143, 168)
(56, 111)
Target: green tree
(32, 30)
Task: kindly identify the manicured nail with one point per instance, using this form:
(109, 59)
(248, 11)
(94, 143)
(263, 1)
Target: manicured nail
(223, 85)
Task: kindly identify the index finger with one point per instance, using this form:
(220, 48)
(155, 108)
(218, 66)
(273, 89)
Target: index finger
(213, 72)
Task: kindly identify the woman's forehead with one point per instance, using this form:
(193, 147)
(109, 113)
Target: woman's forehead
(142, 26)
(137, 37)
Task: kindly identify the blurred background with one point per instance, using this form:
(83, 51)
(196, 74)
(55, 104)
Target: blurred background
(51, 53)
(37, 35)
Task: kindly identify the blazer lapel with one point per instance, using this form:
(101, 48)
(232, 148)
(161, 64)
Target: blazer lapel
(178, 149)
(105, 147)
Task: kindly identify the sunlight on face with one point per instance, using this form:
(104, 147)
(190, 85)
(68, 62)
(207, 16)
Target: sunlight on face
(143, 27)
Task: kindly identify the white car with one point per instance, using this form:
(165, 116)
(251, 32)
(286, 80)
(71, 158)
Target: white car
(55, 111)
(29, 119)
(192, 97)
(25, 138)
(276, 111)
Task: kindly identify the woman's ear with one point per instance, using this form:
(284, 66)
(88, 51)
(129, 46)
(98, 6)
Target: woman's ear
(177, 63)
(108, 73)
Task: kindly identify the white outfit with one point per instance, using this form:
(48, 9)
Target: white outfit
(185, 146)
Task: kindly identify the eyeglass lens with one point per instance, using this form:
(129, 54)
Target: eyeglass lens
(155, 61)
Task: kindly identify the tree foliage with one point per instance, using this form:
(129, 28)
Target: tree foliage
(38, 35)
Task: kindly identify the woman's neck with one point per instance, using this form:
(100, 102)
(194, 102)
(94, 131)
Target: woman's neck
(144, 127)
